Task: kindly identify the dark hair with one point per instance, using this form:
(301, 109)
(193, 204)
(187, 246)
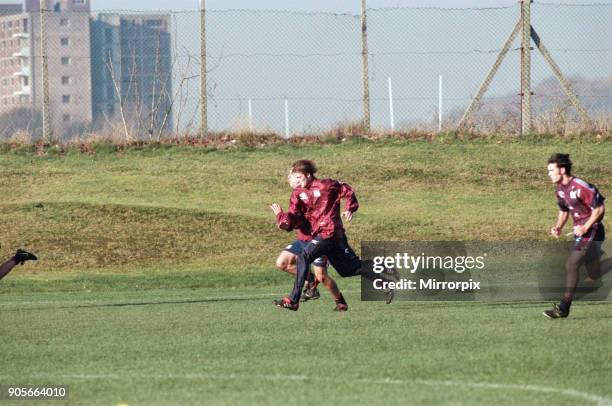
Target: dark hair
(304, 166)
(562, 161)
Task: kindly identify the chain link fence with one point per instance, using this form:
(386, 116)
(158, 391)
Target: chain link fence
(136, 74)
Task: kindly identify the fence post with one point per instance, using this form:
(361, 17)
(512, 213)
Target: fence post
(440, 104)
(525, 67)
(364, 58)
(287, 131)
(391, 111)
(203, 95)
(46, 116)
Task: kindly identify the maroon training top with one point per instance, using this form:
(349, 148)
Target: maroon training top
(579, 198)
(319, 204)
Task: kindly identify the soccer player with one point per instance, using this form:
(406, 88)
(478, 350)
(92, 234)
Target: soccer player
(318, 202)
(20, 257)
(585, 204)
(287, 258)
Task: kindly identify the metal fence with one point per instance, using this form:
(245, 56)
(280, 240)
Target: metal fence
(137, 74)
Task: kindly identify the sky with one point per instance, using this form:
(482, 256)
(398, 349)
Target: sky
(259, 60)
(343, 6)
(326, 89)
(352, 6)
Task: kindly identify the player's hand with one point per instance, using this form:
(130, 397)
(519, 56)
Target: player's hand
(348, 215)
(579, 231)
(276, 209)
(555, 231)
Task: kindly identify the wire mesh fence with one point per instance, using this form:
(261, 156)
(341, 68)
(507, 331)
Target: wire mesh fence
(136, 74)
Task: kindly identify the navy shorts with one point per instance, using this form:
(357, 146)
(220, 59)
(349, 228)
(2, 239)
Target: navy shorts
(297, 247)
(591, 242)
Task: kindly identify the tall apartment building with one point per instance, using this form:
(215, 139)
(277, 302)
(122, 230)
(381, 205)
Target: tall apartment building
(69, 64)
(96, 65)
(132, 69)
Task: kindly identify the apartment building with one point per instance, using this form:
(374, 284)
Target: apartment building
(69, 64)
(97, 66)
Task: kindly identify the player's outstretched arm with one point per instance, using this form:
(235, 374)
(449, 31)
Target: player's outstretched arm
(351, 205)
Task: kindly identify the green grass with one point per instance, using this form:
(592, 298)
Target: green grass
(231, 346)
(171, 207)
(156, 276)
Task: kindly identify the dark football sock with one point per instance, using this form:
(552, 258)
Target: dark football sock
(564, 305)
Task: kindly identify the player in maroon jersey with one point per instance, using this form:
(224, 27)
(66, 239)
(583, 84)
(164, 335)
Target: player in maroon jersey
(583, 202)
(318, 201)
(286, 260)
(19, 258)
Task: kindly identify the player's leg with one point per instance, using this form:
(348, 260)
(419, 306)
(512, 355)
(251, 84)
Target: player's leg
(314, 249)
(596, 269)
(19, 258)
(347, 263)
(327, 281)
(587, 251)
(311, 290)
(572, 265)
(605, 267)
(286, 262)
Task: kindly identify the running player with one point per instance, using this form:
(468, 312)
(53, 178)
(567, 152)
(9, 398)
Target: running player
(585, 204)
(20, 257)
(287, 258)
(317, 201)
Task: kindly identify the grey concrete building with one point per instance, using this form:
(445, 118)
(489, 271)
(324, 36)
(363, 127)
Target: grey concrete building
(69, 65)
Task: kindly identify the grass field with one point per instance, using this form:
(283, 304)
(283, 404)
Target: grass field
(155, 279)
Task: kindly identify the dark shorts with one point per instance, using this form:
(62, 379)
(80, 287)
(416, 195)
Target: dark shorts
(591, 242)
(297, 247)
(339, 253)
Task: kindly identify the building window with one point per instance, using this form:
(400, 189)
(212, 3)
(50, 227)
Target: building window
(78, 1)
(65, 41)
(65, 60)
(26, 81)
(66, 80)
(25, 25)
(66, 118)
(64, 22)
(66, 98)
